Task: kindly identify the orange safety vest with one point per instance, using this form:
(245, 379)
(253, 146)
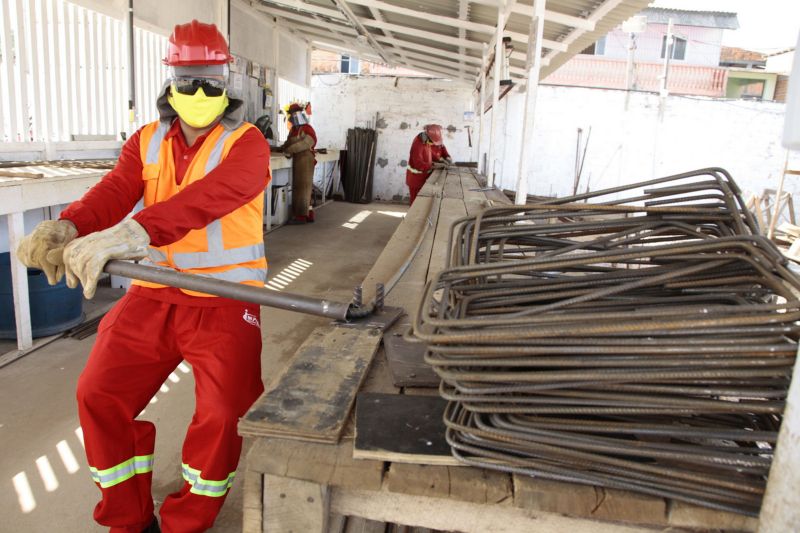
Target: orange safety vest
(230, 248)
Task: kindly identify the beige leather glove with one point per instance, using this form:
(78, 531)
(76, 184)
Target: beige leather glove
(439, 164)
(85, 258)
(47, 236)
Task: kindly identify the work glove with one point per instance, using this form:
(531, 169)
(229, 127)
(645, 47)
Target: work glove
(33, 250)
(303, 142)
(85, 258)
(448, 161)
(439, 164)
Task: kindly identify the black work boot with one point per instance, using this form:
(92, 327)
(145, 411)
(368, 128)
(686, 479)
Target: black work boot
(153, 527)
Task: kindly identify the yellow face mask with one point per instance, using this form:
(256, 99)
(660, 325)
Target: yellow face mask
(197, 110)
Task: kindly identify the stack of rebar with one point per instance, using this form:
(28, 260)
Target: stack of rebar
(644, 341)
(360, 165)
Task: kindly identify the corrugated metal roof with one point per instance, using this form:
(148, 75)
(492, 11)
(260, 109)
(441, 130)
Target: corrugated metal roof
(448, 37)
(683, 17)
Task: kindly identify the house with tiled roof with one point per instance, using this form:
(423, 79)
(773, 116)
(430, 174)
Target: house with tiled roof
(694, 64)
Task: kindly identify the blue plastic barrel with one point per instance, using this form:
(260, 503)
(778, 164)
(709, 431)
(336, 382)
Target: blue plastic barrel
(53, 308)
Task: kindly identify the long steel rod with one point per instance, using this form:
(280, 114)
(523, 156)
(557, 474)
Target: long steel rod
(227, 289)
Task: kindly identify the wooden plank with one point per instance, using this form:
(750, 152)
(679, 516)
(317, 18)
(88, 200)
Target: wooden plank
(421, 391)
(452, 185)
(252, 502)
(451, 210)
(401, 246)
(418, 480)
(465, 517)
(407, 362)
(474, 200)
(687, 515)
(401, 428)
(407, 292)
(337, 523)
(313, 397)
(588, 502)
(295, 506)
(325, 464)
(379, 378)
(356, 524)
(434, 185)
(479, 485)
(20, 174)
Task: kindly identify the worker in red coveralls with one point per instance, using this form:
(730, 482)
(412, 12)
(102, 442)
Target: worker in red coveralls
(299, 147)
(199, 173)
(427, 153)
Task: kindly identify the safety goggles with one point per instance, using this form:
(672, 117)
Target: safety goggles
(189, 86)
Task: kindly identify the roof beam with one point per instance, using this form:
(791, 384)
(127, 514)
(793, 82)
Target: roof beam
(297, 5)
(558, 18)
(342, 50)
(376, 14)
(604, 9)
(446, 21)
(362, 31)
(426, 49)
(463, 10)
(448, 63)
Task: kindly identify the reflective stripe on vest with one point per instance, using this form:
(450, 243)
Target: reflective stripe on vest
(415, 171)
(216, 255)
(154, 147)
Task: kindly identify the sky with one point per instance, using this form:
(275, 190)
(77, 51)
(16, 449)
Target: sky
(764, 25)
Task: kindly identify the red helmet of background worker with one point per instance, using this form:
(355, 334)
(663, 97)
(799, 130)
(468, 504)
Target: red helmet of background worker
(434, 133)
(196, 43)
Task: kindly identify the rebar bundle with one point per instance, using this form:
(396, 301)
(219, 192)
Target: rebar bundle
(360, 165)
(643, 342)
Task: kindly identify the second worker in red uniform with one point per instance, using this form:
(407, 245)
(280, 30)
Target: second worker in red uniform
(427, 149)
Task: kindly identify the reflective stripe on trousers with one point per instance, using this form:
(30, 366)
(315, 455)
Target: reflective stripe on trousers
(140, 464)
(206, 487)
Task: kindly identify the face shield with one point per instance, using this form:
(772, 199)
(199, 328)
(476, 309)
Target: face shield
(297, 119)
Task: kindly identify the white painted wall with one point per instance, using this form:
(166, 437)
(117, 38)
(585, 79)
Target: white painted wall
(404, 106)
(252, 36)
(741, 136)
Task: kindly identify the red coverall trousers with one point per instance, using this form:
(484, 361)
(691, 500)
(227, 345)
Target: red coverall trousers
(415, 182)
(139, 343)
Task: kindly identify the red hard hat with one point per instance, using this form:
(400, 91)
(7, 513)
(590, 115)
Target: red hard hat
(434, 133)
(196, 43)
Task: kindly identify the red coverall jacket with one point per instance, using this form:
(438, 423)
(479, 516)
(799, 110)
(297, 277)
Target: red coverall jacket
(420, 162)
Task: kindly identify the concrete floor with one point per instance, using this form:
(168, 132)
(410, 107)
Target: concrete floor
(44, 472)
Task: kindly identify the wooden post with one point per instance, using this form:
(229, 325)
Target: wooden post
(498, 53)
(481, 106)
(19, 282)
(526, 152)
(780, 511)
(774, 218)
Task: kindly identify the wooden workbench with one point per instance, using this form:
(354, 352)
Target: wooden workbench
(301, 486)
(34, 187)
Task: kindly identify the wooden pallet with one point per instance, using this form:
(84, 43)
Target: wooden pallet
(303, 486)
